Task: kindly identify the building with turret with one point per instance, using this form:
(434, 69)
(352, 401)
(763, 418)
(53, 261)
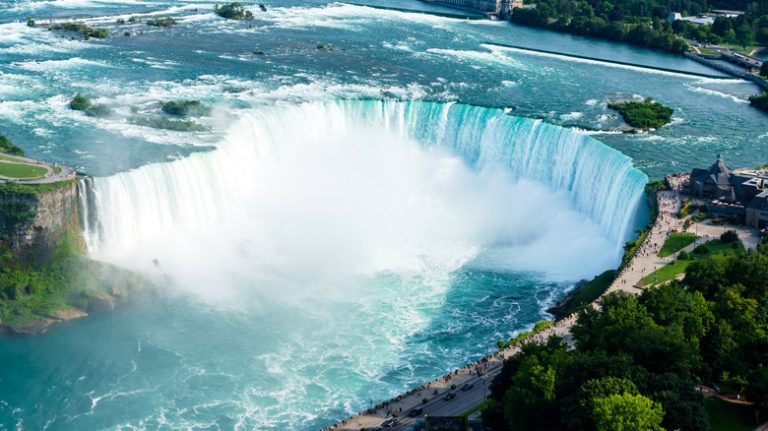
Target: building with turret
(741, 193)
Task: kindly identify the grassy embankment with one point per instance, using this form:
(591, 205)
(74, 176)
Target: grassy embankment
(676, 242)
(587, 292)
(678, 267)
(21, 170)
(537, 328)
(34, 294)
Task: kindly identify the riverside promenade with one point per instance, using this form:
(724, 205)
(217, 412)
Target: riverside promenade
(472, 381)
(48, 174)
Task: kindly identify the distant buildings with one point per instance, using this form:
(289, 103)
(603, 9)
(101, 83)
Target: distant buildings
(741, 193)
(497, 8)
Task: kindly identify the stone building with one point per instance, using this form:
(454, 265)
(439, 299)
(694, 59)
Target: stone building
(741, 193)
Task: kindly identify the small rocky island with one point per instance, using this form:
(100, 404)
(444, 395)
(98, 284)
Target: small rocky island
(643, 116)
(45, 275)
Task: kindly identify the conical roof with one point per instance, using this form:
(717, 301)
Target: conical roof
(720, 173)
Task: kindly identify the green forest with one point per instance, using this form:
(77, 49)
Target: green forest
(639, 360)
(645, 23)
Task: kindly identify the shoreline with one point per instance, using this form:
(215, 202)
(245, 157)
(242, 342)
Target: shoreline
(480, 373)
(629, 278)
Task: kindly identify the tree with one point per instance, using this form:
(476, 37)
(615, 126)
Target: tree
(764, 67)
(611, 328)
(596, 389)
(671, 305)
(627, 412)
(6, 146)
(721, 26)
(529, 402)
(757, 391)
(744, 35)
(729, 236)
(718, 346)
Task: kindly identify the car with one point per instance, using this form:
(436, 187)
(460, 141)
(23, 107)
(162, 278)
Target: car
(467, 386)
(449, 396)
(415, 412)
(389, 423)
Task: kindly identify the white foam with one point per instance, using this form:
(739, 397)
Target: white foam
(484, 57)
(594, 62)
(56, 65)
(720, 94)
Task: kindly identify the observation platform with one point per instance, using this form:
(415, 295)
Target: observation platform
(23, 170)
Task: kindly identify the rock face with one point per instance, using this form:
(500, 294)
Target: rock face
(35, 223)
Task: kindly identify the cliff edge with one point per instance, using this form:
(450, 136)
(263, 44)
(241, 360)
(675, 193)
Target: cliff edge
(45, 275)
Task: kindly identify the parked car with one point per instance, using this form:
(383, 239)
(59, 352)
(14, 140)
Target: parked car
(389, 423)
(415, 412)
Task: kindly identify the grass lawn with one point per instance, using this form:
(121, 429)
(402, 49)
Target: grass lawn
(666, 273)
(585, 294)
(7, 157)
(676, 242)
(718, 246)
(19, 170)
(707, 51)
(725, 416)
(740, 49)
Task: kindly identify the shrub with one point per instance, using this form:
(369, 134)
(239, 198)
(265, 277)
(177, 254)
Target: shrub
(83, 29)
(81, 103)
(729, 236)
(760, 102)
(6, 146)
(644, 115)
(701, 249)
(162, 22)
(184, 108)
(234, 11)
(683, 255)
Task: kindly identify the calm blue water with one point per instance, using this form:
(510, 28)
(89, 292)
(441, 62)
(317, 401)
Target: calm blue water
(310, 260)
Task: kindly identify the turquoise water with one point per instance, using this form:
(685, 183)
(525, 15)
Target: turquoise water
(318, 247)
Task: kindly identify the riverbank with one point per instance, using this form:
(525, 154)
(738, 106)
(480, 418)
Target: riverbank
(468, 386)
(45, 275)
(429, 399)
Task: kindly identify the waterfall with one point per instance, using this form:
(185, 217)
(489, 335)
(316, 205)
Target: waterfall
(207, 189)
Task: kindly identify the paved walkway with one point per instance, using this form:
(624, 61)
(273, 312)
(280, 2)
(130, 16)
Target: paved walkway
(49, 177)
(646, 260)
